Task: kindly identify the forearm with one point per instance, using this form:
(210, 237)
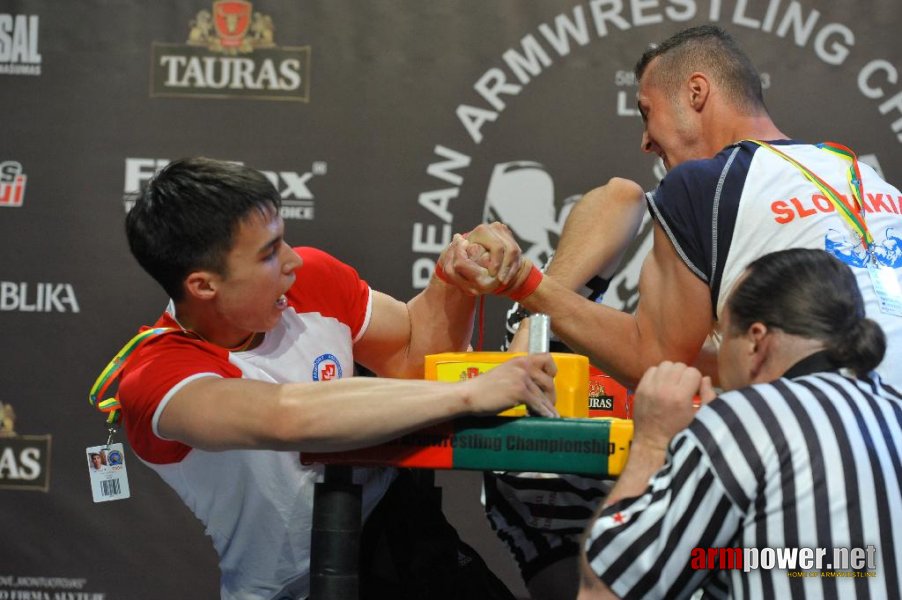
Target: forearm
(644, 461)
(214, 413)
(400, 335)
(360, 412)
(671, 321)
(610, 338)
(441, 320)
(594, 239)
(597, 233)
(222, 414)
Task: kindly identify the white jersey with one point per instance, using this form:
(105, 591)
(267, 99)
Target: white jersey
(723, 213)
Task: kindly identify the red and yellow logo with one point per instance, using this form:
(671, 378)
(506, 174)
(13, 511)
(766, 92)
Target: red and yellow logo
(231, 53)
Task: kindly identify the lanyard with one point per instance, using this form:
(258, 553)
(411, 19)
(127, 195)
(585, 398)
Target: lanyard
(853, 214)
(112, 371)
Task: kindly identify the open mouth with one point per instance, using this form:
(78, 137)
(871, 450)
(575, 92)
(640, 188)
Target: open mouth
(282, 302)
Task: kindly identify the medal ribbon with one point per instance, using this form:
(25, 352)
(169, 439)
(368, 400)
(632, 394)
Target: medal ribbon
(853, 214)
(111, 373)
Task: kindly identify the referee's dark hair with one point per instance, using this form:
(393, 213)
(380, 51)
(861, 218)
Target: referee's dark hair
(809, 293)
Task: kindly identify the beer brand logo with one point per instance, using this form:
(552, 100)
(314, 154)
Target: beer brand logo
(326, 367)
(12, 184)
(24, 459)
(469, 373)
(19, 45)
(7, 420)
(231, 53)
(598, 400)
(226, 30)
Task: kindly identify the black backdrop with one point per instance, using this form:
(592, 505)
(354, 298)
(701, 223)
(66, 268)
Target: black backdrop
(386, 125)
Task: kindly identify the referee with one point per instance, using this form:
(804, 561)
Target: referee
(802, 459)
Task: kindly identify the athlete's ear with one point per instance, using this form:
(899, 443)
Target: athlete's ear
(699, 90)
(201, 284)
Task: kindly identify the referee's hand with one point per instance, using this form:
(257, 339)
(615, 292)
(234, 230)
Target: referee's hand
(663, 404)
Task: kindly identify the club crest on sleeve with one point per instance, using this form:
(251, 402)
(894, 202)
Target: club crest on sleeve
(326, 367)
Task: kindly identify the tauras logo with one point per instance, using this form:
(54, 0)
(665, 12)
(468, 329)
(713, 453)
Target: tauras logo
(19, 45)
(24, 459)
(293, 188)
(231, 52)
(37, 297)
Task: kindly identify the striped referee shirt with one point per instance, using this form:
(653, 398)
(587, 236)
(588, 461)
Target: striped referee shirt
(811, 460)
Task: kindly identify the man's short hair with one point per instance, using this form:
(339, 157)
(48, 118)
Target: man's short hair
(187, 215)
(711, 50)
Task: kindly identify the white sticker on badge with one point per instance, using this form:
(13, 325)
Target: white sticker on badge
(887, 288)
(106, 467)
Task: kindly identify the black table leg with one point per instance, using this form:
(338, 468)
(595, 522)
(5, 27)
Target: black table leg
(335, 539)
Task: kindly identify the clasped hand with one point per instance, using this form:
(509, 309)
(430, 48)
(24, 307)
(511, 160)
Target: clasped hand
(483, 261)
(664, 402)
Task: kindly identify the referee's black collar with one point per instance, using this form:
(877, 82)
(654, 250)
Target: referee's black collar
(813, 363)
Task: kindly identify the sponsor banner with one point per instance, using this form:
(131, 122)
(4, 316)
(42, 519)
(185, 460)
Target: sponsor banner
(430, 123)
(45, 587)
(293, 186)
(594, 447)
(25, 462)
(19, 53)
(231, 53)
(12, 184)
(22, 296)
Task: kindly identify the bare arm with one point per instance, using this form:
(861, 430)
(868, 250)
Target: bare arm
(594, 239)
(440, 318)
(671, 322)
(218, 414)
(597, 233)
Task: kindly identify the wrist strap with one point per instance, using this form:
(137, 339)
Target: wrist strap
(526, 288)
(516, 294)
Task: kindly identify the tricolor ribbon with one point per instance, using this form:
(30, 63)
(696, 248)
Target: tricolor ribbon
(852, 214)
(112, 371)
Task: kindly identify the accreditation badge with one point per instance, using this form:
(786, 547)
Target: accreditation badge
(886, 287)
(106, 467)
